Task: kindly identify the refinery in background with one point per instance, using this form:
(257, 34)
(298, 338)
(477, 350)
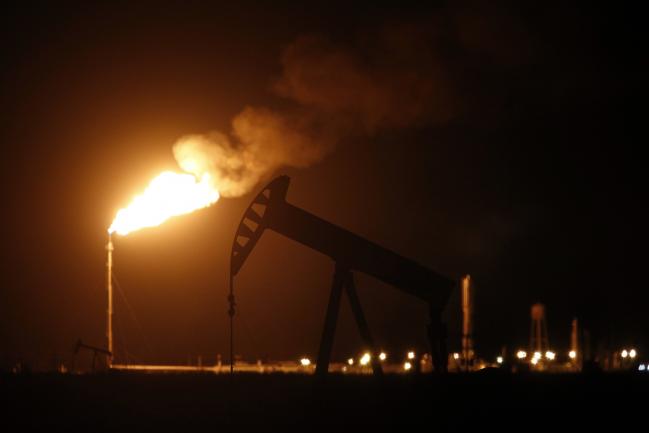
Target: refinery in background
(538, 356)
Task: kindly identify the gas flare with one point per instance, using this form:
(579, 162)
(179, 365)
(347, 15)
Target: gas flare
(167, 195)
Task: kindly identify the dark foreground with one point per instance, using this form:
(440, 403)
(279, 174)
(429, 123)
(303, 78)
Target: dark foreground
(485, 401)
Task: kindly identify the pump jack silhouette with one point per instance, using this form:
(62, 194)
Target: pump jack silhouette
(350, 253)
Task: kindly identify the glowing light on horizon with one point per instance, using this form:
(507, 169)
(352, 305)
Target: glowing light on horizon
(365, 359)
(572, 354)
(305, 362)
(382, 356)
(407, 366)
(521, 354)
(411, 355)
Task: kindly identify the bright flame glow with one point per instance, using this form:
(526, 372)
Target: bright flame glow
(572, 354)
(411, 355)
(365, 359)
(407, 366)
(169, 194)
(521, 354)
(305, 362)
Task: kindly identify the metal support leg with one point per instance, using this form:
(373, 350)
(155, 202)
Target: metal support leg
(437, 340)
(350, 288)
(326, 343)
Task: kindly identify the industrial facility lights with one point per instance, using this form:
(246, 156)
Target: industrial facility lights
(521, 354)
(499, 360)
(456, 355)
(642, 367)
(411, 355)
(383, 356)
(365, 359)
(629, 353)
(407, 366)
(572, 354)
(350, 361)
(550, 355)
(305, 362)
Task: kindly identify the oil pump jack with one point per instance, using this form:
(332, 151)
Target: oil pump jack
(350, 253)
(96, 351)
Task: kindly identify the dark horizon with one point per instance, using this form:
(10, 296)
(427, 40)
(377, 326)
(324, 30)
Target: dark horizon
(519, 168)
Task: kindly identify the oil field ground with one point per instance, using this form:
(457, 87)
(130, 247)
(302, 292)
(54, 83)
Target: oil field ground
(485, 401)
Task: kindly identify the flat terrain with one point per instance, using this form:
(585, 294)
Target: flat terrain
(484, 401)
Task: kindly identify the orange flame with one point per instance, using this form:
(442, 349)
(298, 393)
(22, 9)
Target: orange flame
(169, 194)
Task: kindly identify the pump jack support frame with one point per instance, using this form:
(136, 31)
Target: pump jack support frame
(343, 278)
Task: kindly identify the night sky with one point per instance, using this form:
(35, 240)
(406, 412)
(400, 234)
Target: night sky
(509, 150)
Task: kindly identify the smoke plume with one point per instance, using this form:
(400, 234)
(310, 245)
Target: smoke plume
(388, 79)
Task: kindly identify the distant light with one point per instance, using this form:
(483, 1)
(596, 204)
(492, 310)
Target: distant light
(365, 359)
(350, 361)
(456, 355)
(407, 366)
(550, 355)
(344, 369)
(535, 361)
(521, 354)
(305, 362)
(411, 355)
(632, 353)
(537, 355)
(382, 356)
(642, 367)
(625, 353)
(499, 360)
(572, 354)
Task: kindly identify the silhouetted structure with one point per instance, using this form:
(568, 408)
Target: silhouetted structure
(96, 351)
(350, 252)
(468, 354)
(539, 342)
